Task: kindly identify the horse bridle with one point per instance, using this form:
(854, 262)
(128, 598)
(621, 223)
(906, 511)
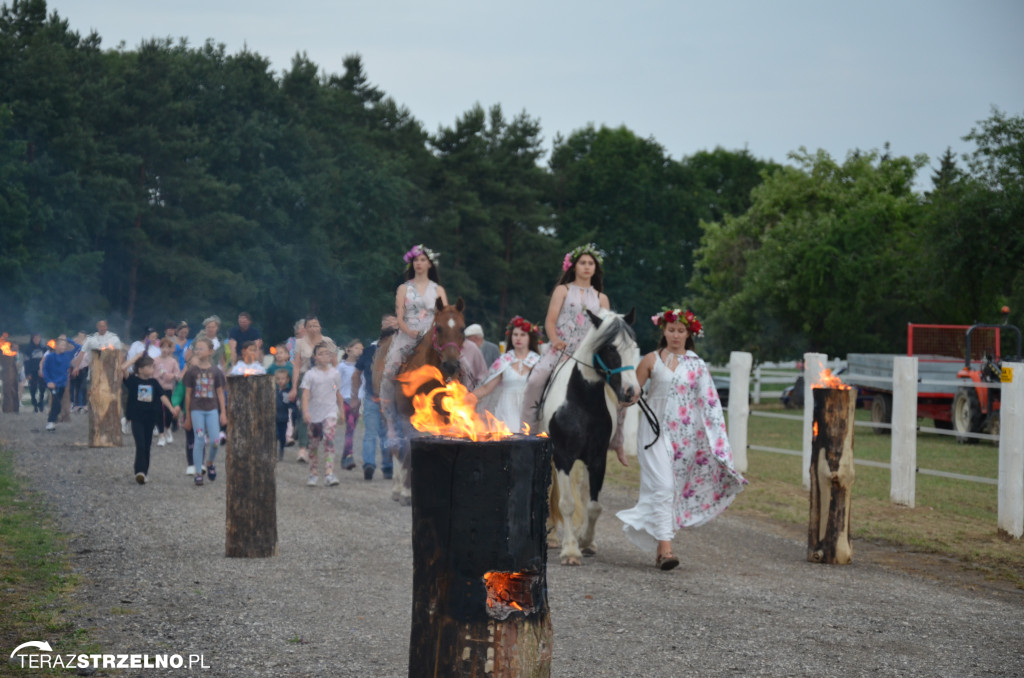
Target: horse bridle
(440, 349)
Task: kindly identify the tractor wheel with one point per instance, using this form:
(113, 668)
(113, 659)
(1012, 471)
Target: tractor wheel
(966, 414)
(881, 413)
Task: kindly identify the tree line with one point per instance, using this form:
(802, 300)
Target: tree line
(170, 181)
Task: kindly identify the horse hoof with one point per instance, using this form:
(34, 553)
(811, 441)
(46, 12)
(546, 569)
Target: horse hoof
(590, 550)
(571, 560)
(553, 544)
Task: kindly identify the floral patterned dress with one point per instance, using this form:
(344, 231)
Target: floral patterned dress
(419, 316)
(572, 325)
(687, 476)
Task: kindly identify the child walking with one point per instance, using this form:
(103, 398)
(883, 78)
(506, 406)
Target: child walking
(249, 362)
(204, 400)
(321, 399)
(146, 400)
(346, 368)
(285, 408)
(687, 475)
(167, 372)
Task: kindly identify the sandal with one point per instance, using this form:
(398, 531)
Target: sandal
(666, 562)
(211, 472)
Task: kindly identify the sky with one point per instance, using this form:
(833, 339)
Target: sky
(770, 76)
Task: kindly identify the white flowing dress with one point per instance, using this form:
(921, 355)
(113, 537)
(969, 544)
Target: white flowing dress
(509, 407)
(687, 476)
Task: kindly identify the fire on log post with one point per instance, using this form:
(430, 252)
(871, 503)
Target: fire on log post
(480, 605)
(831, 472)
(251, 459)
(9, 374)
(105, 398)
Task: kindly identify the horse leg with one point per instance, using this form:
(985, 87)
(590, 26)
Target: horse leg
(570, 554)
(595, 472)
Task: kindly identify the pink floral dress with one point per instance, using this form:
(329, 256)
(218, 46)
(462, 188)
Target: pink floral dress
(572, 325)
(687, 476)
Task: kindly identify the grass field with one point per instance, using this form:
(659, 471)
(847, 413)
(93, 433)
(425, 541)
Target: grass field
(954, 518)
(35, 577)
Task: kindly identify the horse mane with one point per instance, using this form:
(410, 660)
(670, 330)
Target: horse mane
(612, 324)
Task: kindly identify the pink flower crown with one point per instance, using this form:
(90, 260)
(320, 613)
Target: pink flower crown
(418, 250)
(523, 324)
(670, 315)
(572, 255)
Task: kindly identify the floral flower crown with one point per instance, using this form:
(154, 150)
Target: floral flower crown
(590, 248)
(687, 317)
(418, 250)
(523, 324)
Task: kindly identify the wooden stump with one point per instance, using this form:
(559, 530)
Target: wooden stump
(12, 389)
(105, 399)
(831, 474)
(480, 603)
(65, 403)
(250, 466)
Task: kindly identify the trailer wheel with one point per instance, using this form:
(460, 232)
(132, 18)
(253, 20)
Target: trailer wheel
(966, 415)
(881, 413)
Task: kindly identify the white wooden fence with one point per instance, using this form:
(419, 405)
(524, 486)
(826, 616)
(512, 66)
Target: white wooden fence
(903, 462)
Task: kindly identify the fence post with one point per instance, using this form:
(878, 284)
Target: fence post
(739, 406)
(1011, 453)
(904, 431)
(757, 384)
(814, 363)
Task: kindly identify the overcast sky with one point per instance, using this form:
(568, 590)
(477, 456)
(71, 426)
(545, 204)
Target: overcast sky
(770, 76)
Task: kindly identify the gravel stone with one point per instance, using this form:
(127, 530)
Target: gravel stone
(337, 598)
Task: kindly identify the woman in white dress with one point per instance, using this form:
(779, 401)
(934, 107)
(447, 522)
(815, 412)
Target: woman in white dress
(511, 372)
(687, 475)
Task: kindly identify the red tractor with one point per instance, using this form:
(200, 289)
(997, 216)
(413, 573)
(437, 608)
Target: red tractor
(976, 408)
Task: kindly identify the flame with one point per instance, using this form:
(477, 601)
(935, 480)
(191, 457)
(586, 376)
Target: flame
(255, 369)
(5, 346)
(814, 429)
(829, 380)
(52, 343)
(508, 588)
(273, 350)
(448, 410)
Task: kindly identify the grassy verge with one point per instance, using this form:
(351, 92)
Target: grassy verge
(953, 518)
(35, 577)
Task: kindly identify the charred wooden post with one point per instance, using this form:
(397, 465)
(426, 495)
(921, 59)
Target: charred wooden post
(831, 475)
(105, 399)
(251, 458)
(12, 388)
(480, 605)
(65, 403)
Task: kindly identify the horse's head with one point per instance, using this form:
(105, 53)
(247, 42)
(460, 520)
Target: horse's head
(449, 335)
(612, 343)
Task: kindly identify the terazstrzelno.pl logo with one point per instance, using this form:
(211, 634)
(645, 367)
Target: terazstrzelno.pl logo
(37, 654)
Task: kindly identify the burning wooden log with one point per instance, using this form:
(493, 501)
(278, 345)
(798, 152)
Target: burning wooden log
(251, 459)
(831, 474)
(105, 399)
(480, 603)
(9, 374)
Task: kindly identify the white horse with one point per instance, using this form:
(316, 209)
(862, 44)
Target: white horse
(579, 413)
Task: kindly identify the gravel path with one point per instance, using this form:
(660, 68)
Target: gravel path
(336, 601)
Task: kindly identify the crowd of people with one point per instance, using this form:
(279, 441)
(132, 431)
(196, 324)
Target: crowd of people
(177, 382)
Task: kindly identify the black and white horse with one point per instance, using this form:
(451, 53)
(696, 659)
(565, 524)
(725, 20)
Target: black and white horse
(579, 414)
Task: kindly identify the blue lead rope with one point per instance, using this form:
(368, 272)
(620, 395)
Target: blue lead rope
(609, 372)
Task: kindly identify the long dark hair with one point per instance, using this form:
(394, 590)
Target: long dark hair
(410, 272)
(534, 344)
(570, 275)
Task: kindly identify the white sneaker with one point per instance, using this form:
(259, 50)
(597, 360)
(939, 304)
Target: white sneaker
(161, 441)
(331, 480)
(312, 481)
(170, 437)
(124, 426)
(190, 471)
(50, 426)
(140, 478)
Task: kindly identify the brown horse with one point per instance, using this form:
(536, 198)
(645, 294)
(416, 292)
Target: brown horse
(441, 346)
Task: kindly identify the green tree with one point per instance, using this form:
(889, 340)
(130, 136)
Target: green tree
(819, 261)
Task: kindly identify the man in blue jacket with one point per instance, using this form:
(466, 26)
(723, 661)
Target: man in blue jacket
(56, 365)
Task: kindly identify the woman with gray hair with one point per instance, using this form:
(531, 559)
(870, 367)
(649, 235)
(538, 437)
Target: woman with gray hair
(211, 326)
